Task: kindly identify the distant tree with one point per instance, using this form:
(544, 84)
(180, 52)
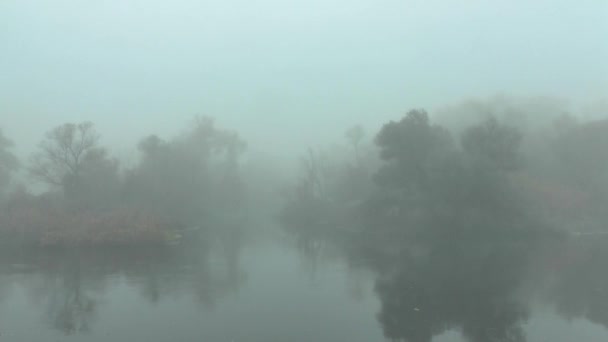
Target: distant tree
(70, 159)
(310, 205)
(150, 145)
(8, 162)
(582, 151)
(315, 177)
(565, 123)
(409, 147)
(61, 153)
(99, 183)
(355, 135)
(186, 177)
(495, 143)
(430, 186)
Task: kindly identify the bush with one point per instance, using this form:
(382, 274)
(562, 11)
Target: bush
(45, 225)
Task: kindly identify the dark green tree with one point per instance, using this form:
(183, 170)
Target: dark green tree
(409, 148)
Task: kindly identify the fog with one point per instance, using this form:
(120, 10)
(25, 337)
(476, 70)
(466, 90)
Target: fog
(277, 71)
(325, 170)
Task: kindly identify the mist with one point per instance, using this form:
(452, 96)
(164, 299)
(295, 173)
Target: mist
(333, 171)
(277, 71)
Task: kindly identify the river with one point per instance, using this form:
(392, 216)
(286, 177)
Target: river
(266, 289)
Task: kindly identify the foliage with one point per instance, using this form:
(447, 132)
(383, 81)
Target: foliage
(190, 177)
(494, 143)
(409, 147)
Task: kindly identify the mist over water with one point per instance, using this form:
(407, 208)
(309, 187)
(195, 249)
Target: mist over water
(415, 171)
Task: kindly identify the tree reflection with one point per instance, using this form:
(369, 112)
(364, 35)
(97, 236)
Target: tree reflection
(466, 286)
(71, 308)
(69, 284)
(580, 286)
(216, 271)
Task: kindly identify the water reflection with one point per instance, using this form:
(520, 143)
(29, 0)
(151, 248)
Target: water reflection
(488, 290)
(71, 308)
(579, 286)
(70, 286)
(471, 288)
(484, 290)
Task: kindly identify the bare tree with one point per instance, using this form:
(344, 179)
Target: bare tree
(314, 180)
(8, 161)
(354, 135)
(62, 151)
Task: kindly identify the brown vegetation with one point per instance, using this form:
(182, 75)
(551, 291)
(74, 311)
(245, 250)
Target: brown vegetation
(37, 225)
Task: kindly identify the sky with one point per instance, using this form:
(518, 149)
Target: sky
(284, 74)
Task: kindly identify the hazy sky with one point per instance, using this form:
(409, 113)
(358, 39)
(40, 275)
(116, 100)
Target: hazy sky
(283, 73)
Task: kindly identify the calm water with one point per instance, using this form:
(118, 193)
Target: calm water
(272, 290)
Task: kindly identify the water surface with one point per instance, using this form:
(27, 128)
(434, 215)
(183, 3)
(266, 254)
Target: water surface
(276, 290)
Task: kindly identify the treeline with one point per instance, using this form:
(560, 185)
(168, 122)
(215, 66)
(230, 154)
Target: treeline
(186, 182)
(556, 171)
(418, 177)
